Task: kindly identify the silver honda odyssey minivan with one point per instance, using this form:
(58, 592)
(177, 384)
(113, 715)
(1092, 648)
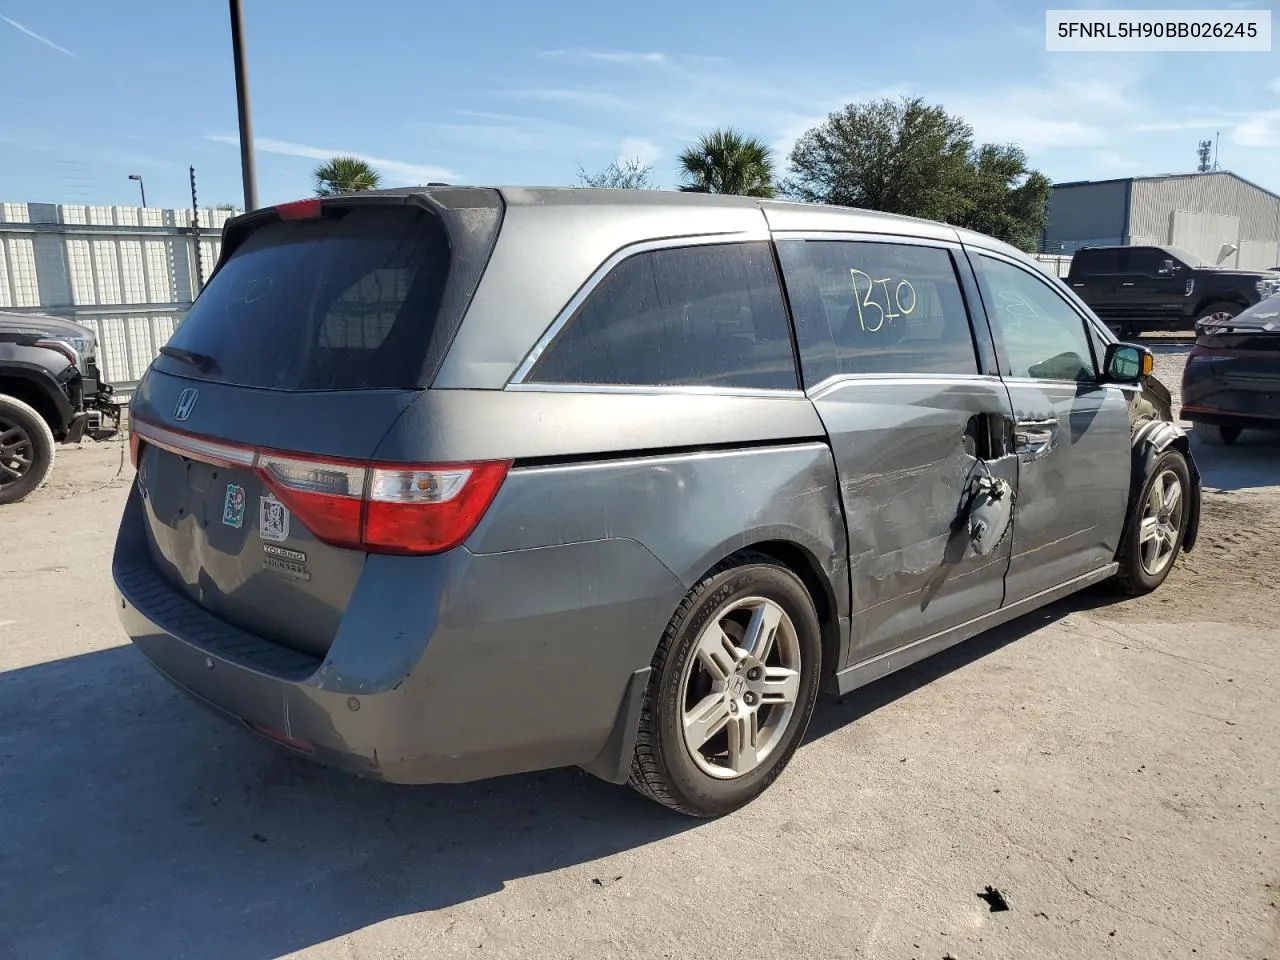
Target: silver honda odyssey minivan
(443, 483)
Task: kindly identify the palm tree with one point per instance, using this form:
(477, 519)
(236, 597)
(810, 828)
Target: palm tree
(345, 175)
(726, 161)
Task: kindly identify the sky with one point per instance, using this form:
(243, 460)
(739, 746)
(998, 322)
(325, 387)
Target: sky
(514, 92)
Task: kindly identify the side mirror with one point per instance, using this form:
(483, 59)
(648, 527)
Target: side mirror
(1166, 268)
(1128, 363)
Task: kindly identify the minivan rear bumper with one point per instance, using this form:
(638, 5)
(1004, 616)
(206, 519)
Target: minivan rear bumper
(447, 668)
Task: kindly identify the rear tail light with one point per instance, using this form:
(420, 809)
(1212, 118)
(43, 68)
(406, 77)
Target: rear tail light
(425, 509)
(377, 507)
(135, 447)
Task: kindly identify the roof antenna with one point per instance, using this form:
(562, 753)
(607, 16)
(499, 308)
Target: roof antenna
(1203, 152)
(1216, 135)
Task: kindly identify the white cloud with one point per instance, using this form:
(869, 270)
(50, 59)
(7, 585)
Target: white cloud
(1275, 85)
(1070, 108)
(584, 98)
(639, 148)
(1260, 130)
(1111, 161)
(35, 36)
(397, 168)
(505, 132)
(605, 56)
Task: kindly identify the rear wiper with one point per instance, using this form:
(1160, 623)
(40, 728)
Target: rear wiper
(201, 361)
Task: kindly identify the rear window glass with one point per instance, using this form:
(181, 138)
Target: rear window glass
(689, 316)
(344, 302)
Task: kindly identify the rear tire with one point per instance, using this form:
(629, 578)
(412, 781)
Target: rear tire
(26, 450)
(1220, 311)
(1217, 435)
(752, 700)
(1156, 527)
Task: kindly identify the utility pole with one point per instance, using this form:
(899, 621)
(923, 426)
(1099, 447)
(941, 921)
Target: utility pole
(248, 168)
(195, 235)
(141, 187)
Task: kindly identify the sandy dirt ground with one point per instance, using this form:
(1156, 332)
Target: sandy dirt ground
(1111, 768)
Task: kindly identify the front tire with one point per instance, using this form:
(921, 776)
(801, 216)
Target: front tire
(732, 688)
(1157, 526)
(1217, 435)
(26, 450)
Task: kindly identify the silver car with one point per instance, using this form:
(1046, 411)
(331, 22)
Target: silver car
(443, 483)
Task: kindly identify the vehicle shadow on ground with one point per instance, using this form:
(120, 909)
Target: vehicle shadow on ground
(1252, 461)
(832, 714)
(136, 824)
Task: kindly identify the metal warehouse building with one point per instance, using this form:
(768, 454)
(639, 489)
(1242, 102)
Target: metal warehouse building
(1220, 217)
(127, 273)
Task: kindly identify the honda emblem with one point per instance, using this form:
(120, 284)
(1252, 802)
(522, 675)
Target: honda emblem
(186, 403)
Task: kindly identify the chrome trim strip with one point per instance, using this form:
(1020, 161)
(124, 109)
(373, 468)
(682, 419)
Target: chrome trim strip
(896, 379)
(664, 457)
(645, 246)
(651, 390)
(862, 236)
(194, 448)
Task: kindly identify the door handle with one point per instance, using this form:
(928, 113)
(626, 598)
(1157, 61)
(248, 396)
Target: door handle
(1034, 439)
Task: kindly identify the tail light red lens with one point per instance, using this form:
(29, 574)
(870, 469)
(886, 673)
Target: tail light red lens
(376, 507)
(135, 447)
(428, 509)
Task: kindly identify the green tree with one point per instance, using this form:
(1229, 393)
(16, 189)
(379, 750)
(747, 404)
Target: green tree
(345, 175)
(897, 156)
(915, 159)
(726, 161)
(1007, 199)
(627, 175)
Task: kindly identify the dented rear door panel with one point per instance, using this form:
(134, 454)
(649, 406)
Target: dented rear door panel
(906, 450)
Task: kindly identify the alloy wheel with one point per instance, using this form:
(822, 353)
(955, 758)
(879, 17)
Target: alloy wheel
(740, 687)
(1161, 523)
(17, 452)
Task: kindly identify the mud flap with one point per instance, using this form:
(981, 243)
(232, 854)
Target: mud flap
(75, 431)
(613, 763)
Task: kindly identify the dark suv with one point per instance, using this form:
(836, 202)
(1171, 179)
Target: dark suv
(50, 391)
(440, 484)
(1135, 289)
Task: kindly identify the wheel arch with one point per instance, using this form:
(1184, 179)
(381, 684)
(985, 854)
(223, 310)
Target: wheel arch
(1149, 441)
(826, 588)
(37, 389)
(1226, 296)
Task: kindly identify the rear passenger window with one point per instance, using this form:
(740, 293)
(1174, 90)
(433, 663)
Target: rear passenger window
(863, 307)
(1097, 261)
(687, 316)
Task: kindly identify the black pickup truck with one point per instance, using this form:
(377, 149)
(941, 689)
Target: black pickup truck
(51, 392)
(1134, 289)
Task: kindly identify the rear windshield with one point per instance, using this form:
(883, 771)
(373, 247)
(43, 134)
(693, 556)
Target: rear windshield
(345, 302)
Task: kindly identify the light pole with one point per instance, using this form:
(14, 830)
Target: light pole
(247, 169)
(143, 189)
